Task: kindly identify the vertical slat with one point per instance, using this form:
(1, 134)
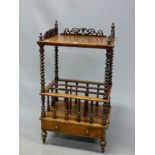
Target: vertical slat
(66, 109)
(54, 100)
(53, 104)
(52, 97)
(98, 86)
(70, 101)
(48, 104)
(42, 78)
(79, 111)
(91, 119)
(86, 102)
(76, 91)
(104, 115)
(66, 86)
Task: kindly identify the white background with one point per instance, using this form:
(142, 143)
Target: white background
(144, 92)
(38, 16)
(9, 67)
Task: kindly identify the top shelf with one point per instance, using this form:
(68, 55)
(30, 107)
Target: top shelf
(78, 41)
(78, 37)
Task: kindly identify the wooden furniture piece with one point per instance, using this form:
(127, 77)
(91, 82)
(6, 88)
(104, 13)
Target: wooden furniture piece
(68, 105)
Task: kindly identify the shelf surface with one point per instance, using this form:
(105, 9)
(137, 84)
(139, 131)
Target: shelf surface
(77, 41)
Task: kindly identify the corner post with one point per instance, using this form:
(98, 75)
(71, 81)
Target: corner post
(42, 77)
(56, 54)
(106, 106)
(56, 78)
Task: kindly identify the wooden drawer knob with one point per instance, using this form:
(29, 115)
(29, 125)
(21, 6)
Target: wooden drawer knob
(56, 127)
(87, 131)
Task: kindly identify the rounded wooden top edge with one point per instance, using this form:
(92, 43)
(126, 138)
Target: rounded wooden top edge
(78, 46)
(76, 97)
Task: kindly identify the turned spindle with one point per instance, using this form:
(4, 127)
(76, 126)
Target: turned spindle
(79, 111)
(76, 92)
(91, 119)
(54, 100)
(66, 109)
(51, 97)
(42, 79)
(48, 104)
(98, 86)
(66, 88)
(54, 108)
(86, 101)
(107, 106)
(104, 115)
(70, 101)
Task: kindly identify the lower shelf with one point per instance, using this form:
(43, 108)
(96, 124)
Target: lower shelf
(72, 126)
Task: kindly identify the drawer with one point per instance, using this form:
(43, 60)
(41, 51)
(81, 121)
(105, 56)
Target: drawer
(73, 129)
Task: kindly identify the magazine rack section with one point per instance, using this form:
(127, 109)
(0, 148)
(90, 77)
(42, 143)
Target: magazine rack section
(68, 105)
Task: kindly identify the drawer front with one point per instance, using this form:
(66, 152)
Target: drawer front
(67, 128)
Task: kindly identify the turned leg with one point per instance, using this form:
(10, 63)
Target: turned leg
(44, 135)
(102, 144)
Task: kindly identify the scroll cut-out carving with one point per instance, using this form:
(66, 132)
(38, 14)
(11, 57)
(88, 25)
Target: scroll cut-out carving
(49, 33)
(83, 31)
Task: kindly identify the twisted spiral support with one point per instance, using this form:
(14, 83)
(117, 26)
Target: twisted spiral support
(56, 70)
(107, 83)
(42, 79)
(111, 54)
(56, 63)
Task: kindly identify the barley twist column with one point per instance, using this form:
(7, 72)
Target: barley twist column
(106, 85)
(107, 74)
(56, 63)
(42, 79)
(111, 65)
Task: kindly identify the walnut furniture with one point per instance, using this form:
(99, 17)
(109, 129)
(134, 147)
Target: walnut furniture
(70, 106)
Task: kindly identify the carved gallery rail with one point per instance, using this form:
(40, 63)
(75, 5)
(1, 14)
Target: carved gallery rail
(71, 106)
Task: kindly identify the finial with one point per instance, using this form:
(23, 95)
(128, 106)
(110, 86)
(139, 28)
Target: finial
(113, 26)
(113, 30)
(40, 37)
(56, 23)
(109, 40)
(56, 27)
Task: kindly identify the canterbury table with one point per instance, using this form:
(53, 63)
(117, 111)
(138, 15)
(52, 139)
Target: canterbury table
(72, 106)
